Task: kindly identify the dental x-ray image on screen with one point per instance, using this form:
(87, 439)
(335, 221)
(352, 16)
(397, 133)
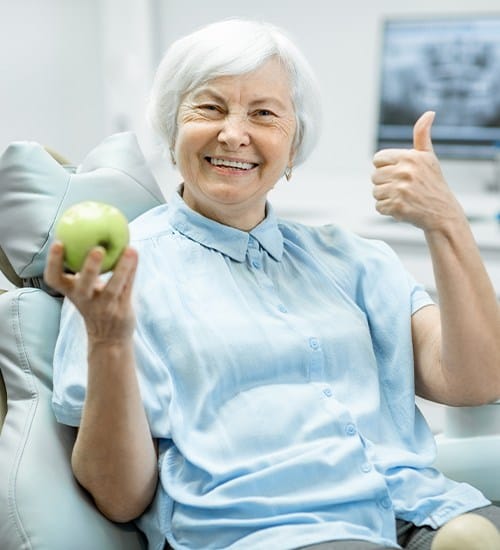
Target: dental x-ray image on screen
(448, 65)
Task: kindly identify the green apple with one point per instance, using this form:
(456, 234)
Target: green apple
(90, 224)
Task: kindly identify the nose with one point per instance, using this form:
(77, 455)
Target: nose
(234, 132)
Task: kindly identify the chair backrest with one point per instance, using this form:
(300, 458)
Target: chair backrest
(41, 505)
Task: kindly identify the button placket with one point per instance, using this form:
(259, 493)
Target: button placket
(385, 503)
(350, 429)
(366, 467)
(316, 361)
(254, 255)
(255, 262)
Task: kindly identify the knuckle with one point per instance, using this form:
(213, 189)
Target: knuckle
(405, 174)
(400, 205)
(404, 190)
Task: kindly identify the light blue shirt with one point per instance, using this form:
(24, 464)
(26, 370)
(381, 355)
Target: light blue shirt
(276, 369)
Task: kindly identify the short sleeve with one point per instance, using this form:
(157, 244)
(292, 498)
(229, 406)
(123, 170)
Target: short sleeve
(389, 286)
(419, 296)
(71, 367)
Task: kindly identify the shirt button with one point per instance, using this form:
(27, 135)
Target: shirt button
(327, 392)
(366, 467)
(313, 343)
(256, 264)
(282, 308)
(386, 503)
(350, 429)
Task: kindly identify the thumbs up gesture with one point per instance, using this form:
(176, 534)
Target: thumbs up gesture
(409, 184)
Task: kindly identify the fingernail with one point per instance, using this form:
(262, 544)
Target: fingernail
(128, 253)
(98, 253)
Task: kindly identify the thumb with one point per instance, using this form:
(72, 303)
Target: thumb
(422, 132)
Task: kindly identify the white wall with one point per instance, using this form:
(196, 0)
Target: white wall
(341, 40)
(52, 86)
(72, 72)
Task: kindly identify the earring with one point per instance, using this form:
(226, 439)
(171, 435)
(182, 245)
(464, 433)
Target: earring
(172, 157)
(288, 173)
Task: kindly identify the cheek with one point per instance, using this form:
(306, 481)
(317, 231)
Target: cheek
(281, 140)
(280, 149)
(187, 163)
(188, 146)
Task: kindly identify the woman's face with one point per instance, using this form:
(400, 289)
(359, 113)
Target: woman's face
(234, 142)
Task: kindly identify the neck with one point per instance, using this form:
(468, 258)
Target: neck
(239, 216)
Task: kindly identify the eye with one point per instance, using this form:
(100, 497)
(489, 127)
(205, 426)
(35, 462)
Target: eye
(264, 113)
(210, 110)
(211, 107)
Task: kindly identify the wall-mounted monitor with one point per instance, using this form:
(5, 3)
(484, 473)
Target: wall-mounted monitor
(450, 65)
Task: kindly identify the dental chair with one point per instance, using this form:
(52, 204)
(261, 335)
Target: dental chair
(42, 507)
(468, 449)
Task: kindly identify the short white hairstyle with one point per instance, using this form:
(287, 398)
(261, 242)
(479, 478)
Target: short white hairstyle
(228, 48)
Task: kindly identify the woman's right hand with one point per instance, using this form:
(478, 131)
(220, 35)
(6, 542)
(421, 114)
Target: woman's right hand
(114, 456)
(105, 305)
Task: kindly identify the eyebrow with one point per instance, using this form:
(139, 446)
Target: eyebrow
(206, 91)
(210, 92)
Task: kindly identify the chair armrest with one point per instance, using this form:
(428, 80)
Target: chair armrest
(41, 504)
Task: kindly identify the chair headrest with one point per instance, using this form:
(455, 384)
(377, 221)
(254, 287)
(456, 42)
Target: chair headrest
(35, 189)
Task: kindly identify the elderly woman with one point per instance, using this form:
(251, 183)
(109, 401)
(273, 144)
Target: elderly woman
(247, 382)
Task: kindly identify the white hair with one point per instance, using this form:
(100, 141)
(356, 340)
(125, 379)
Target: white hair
(228, 48)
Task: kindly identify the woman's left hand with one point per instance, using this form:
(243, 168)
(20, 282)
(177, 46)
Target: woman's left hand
(409, 184)
(456, 351)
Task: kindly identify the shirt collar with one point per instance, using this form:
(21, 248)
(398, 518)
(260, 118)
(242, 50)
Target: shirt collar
(228, 240)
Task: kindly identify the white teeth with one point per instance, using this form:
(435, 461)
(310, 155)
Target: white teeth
(231, 163)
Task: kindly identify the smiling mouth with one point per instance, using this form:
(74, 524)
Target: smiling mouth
(231, 164)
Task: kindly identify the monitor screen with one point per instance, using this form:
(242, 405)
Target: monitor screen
(447, 65)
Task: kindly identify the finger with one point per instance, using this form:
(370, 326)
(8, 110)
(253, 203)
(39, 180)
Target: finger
(127, 290)
(422, 140)
(381, 192)
(382, 175)
(386, 157)
(132, 257)
(123, 274)
(386, 207)
(91, 269)
(53, 273)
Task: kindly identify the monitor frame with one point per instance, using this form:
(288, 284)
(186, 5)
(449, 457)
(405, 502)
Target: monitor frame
(452, 69)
